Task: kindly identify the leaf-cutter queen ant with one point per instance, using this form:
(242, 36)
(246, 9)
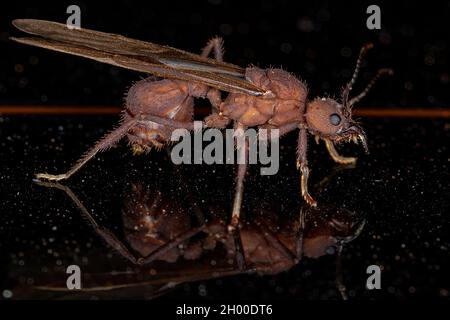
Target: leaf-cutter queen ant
(263, 98)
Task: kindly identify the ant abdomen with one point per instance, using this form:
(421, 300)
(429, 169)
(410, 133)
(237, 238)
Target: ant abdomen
(162, 98)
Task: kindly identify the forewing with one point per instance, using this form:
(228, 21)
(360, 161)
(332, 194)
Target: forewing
(136, 55)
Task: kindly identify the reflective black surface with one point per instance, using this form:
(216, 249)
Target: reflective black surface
(391, 210)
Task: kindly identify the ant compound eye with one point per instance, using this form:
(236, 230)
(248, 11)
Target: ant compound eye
(335, 119)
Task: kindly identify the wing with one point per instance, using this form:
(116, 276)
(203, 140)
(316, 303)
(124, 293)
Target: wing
(162, 61)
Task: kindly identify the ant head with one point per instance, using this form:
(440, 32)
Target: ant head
(330, 119)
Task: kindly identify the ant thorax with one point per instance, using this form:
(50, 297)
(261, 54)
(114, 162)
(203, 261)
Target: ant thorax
(285, 105)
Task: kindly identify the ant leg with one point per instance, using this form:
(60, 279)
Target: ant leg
(340, 274)
(242, 147)
(300, 235)
(275, 242)
(170, 245)
(167, 122)
(216, 119)
(215, 44)
(104, 233)
(112, 240)
(110, 139)
(335, 155)
(302, 165)
(239, 250)
(106, 142)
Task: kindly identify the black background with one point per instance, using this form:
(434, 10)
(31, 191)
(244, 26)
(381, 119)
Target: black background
(402, 187)
(316, 40)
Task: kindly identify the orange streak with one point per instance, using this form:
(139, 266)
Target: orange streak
(110, 110)
(69, 110)
(403, 113)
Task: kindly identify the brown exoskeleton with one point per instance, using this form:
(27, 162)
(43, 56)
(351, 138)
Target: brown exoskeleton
(262, 98)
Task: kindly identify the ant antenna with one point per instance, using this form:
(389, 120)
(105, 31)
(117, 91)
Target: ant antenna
(371, 83)
(349, 86)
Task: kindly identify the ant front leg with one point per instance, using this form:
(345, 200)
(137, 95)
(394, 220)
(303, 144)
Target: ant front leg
(335, 155)
(302, 165)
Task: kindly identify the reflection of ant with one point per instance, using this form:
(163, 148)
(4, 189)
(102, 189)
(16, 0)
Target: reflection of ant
(158, 229)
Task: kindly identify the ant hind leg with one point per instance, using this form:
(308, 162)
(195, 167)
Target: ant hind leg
(103, 144)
